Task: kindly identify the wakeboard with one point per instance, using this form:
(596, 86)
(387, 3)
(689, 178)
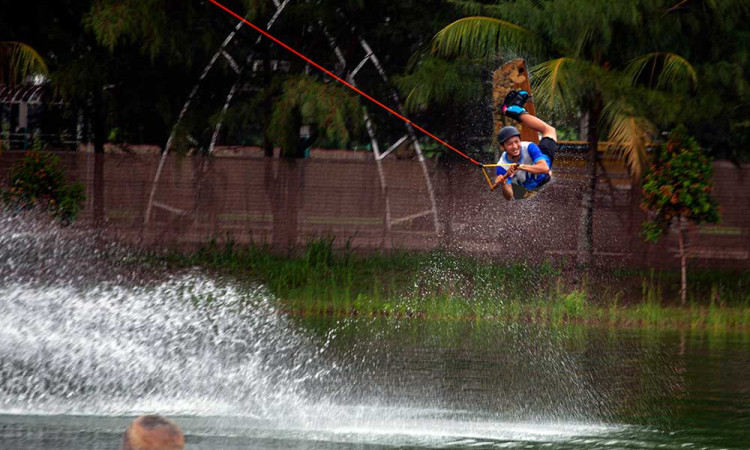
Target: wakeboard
(511, 76)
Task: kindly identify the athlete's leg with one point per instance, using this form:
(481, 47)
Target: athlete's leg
(548, 147)
(538, 125)
(513, 107)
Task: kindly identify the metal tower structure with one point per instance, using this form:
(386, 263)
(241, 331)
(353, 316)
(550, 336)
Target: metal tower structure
(368, 57)
(238, 69)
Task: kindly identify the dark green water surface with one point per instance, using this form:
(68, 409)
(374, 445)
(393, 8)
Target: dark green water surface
(418, 384)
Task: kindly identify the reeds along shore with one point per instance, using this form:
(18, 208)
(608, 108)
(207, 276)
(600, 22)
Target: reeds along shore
(322, 280)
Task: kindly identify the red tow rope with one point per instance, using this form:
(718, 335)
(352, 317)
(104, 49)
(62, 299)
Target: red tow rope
(340, 80)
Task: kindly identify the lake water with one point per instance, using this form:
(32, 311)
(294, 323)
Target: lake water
(90, 338)
(446, 385)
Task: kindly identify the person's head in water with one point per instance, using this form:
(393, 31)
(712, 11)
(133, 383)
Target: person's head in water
(152, 433)
(509, 139)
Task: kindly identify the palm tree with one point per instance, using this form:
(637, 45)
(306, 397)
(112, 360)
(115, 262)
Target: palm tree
(17, 61)
(592, 59)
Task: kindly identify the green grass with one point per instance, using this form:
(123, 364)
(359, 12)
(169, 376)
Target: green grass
(320, 279)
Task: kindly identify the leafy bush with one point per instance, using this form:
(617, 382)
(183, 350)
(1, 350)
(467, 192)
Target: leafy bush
(678, 184)
(39, 181)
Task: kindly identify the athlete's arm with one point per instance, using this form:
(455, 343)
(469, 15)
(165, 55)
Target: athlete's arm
(538, 167)
(540, 164)
(507, 191)
(504, 182)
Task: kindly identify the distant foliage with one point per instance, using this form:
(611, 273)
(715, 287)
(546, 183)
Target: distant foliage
(19, 60)
(4, 136)
(678, 184)
(438, 82)
(335, 111)
(39, 181)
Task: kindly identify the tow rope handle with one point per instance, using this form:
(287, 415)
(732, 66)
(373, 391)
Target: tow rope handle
(487, 177)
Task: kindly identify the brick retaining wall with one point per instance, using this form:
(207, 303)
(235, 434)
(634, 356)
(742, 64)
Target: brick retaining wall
(285, 203)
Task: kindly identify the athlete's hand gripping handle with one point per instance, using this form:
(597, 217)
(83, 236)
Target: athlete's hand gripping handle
(503, 178)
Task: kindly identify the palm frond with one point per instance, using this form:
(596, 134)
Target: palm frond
(483, 37)
(18, 60)
(558, 82)
(629, 137)
(664, 69)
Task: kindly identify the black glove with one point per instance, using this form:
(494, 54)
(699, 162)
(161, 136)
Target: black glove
(515, 98)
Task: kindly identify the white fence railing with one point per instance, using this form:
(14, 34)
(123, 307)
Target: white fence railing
(25, 140)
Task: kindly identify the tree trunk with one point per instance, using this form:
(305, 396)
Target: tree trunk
(290, 146)
(267, 145)
(283, 182)
(267, 106)
(683, 263)
(585, 248)
(97, 116)
(98, 189)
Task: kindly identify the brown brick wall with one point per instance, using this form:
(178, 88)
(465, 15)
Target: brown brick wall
(285, 203)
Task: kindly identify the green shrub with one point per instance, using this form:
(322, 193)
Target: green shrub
(574, 304)
(678, 185)
(38, 180)
(4, 136)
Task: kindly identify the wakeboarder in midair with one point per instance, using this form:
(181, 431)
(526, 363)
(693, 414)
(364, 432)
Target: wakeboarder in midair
(523, 163)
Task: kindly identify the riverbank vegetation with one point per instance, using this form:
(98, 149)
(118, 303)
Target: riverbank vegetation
(320, 280)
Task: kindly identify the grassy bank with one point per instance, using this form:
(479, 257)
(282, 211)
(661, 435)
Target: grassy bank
(319, 280)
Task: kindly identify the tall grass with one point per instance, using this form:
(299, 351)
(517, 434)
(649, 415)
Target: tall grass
(320, 279)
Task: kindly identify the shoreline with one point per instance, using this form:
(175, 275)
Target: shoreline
(321, 281)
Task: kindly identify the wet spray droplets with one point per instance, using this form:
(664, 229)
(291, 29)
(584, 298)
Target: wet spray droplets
(85, 329)
(187, 344)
